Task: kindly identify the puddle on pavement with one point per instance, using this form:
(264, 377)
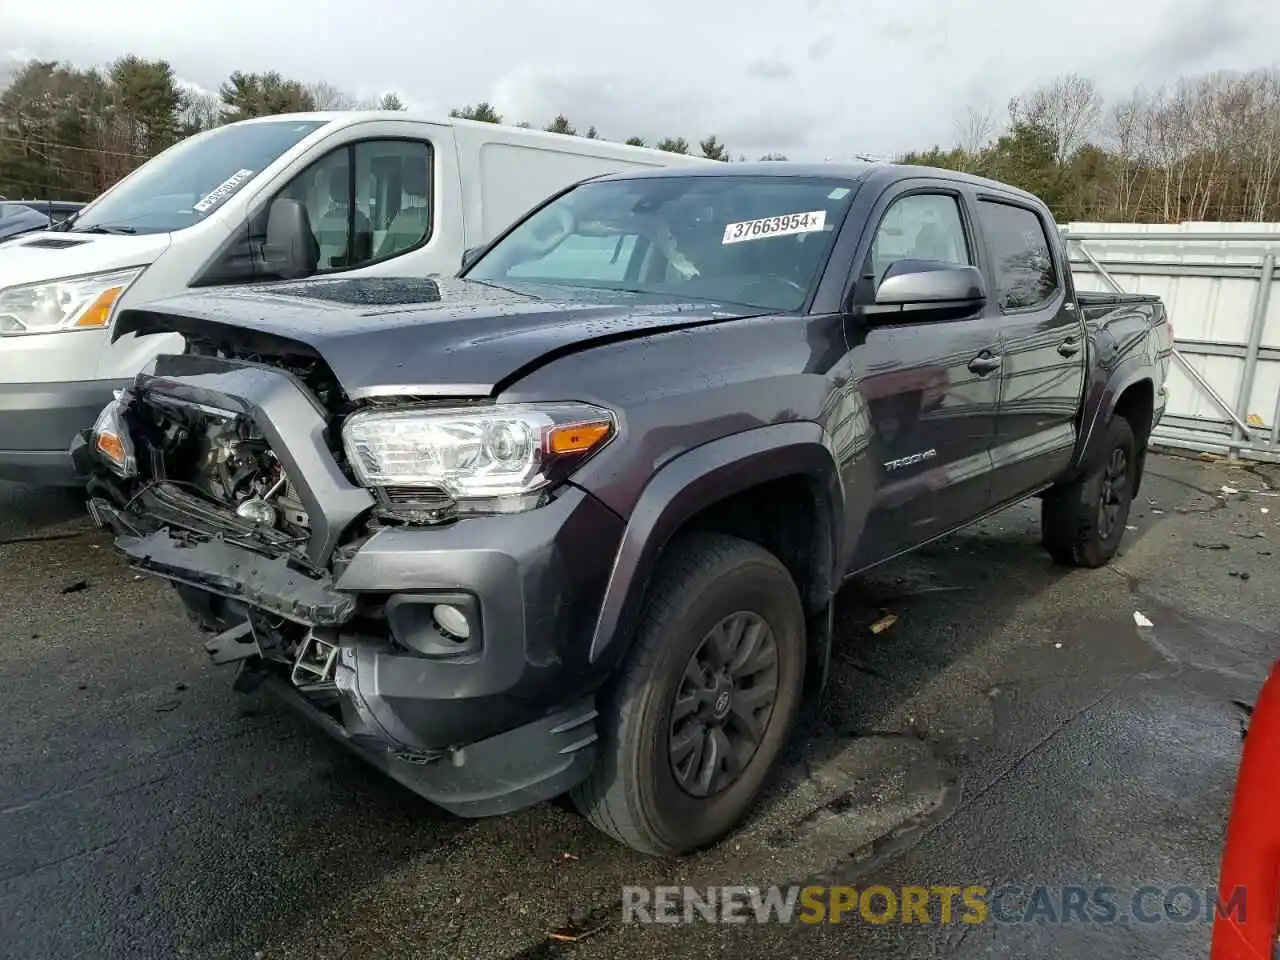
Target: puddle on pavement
(1234, 651)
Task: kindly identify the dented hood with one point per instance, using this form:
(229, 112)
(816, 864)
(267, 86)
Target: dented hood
(386, 336)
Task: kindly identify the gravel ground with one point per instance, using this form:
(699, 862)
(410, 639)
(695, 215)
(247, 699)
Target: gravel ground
(1013, 726)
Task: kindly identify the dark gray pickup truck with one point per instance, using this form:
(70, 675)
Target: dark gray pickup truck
(573, 521)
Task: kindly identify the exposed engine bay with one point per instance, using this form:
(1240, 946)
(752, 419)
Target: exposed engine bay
(222, 456)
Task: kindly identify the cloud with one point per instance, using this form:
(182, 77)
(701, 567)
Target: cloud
(812, 80)
(770, 70)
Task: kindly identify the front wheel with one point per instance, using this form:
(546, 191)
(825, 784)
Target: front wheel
(1084, 521)
(705, 701)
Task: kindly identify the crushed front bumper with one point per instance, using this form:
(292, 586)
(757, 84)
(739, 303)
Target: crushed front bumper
(507, 722)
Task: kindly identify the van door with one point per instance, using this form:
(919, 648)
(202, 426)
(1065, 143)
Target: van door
(377, 204)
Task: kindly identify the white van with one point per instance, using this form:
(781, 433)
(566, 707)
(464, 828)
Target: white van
(365, 193)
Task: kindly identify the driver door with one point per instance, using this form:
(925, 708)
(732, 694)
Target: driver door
(932, 407)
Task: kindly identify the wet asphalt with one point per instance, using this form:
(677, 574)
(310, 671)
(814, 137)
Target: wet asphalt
(1014, 725)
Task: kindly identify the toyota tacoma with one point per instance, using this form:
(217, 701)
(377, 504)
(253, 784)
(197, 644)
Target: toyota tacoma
(573, 520)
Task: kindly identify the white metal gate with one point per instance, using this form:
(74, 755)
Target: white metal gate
(1218, 282)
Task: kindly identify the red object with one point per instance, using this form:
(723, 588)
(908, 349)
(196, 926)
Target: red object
(1252, 856)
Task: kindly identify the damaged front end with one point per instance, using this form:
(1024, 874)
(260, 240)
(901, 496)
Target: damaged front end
(227, 478)
(195, 492)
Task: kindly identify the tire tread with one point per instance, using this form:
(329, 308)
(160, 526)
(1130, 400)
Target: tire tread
(603, 797)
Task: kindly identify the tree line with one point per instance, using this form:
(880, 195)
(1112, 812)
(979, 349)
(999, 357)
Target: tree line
(1203, 148)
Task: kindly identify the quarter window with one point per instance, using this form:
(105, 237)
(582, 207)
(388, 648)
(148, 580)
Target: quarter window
(1020, 255)
(919, 226)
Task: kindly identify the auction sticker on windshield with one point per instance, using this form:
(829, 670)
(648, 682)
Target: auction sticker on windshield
(781, 226)
(223, 190)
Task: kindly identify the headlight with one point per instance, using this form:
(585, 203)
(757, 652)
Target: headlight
(73, 303)
(484, 458)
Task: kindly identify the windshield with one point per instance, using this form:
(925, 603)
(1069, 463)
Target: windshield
(190, 180)
(756, 241)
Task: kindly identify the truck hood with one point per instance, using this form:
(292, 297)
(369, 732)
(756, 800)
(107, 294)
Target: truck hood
(54, 254)
(389, 336)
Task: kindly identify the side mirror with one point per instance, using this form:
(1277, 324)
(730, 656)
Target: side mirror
(291, 250)
(471, 255)
(922, 285)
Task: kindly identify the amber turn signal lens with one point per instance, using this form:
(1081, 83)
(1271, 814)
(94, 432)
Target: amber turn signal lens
(100, 311)
(576, 437)
(111, 447)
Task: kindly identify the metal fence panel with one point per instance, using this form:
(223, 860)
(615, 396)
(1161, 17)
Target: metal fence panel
(1219, 283)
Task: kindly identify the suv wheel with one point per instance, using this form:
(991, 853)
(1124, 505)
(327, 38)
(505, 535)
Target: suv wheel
(1084, 521)
(705, 700)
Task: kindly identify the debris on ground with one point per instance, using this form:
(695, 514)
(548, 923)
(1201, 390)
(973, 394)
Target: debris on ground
(76, 587)
(1211, 546)
(1229, 490)
(884, 623)
(1140, 620)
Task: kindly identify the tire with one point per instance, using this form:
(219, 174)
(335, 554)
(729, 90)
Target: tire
(1077, 530)
(634, 792)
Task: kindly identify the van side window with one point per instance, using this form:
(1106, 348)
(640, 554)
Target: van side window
(1020, 255)
(366, 201)
(393, 191)
(919, 226)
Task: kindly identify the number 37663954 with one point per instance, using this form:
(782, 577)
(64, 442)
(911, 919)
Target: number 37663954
(774, 226)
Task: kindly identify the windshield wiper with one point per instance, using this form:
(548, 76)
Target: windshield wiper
(106, 228)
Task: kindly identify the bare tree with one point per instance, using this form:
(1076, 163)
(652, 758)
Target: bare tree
(200, 110)
(976, 129)
(1069, 107)
(1129, 132)
(329, 97)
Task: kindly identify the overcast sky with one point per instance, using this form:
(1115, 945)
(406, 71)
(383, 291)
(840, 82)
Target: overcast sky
(814, 79)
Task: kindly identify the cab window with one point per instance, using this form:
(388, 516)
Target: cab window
(919, 226)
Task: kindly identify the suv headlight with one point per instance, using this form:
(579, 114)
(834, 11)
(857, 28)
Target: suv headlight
(486, 459)
(73, 303)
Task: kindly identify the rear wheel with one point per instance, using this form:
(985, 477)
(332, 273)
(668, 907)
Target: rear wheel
(705, 701)
(1084, 521)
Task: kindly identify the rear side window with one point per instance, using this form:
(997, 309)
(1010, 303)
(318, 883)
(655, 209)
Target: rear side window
(1020, 255)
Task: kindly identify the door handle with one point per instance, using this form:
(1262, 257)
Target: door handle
(1069, 347)
(984, 363)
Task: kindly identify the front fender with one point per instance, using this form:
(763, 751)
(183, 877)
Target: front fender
(702, 477)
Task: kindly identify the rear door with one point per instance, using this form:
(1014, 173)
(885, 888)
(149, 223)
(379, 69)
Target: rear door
(932, 408)
(1042, 347)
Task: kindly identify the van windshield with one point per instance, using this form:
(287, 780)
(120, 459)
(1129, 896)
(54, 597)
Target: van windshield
(759, 241)
(192, 179)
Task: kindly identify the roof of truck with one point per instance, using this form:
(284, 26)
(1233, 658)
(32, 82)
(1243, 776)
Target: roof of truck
(885, 173)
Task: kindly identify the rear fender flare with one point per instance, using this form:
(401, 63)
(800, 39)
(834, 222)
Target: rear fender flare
(1092, 438)
(704, 476)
